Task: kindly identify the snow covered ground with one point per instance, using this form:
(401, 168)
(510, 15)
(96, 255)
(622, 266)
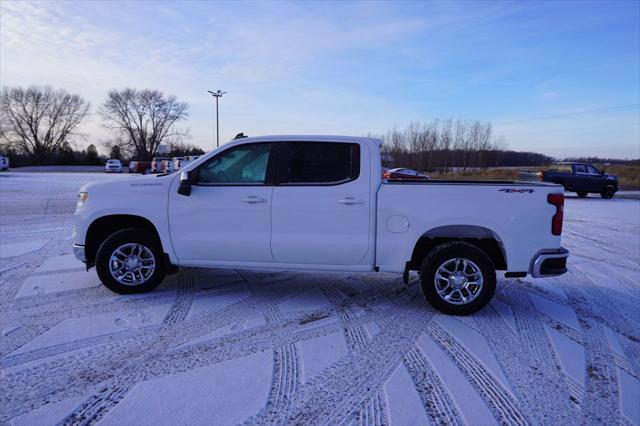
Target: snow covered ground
(228, 347)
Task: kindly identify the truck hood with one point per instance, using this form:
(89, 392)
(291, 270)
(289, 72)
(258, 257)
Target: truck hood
(149, 183)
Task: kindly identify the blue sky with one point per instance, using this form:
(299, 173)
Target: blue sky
(561, 78)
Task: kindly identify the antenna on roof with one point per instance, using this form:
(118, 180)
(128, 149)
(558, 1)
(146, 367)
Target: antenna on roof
(240, 136)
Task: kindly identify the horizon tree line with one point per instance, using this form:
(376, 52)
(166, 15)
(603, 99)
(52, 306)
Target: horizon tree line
(40, 123)
(38, 126)
(446, 145)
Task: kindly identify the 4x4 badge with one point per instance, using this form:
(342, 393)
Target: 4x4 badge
(518, 190)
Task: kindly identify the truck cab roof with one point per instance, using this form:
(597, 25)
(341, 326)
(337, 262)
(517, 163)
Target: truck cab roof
(309, 138)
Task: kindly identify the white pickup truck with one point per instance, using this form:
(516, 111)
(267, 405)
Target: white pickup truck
(319, 203)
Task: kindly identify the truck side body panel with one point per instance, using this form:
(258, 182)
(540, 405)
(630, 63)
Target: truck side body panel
(518, 216)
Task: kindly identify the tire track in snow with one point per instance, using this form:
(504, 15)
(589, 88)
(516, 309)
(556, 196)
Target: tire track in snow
(597, 310)
(90, 367)
(601, 393)
(503, 405)
(373, 411)
(355, 335)
(286, 364)
(435, 397)
(40, 322)
(38, 385)
(74, 345)
(548, 385)
(601, 397)
(286, 380)
(626, 363)
(338, 395)
(99, 404)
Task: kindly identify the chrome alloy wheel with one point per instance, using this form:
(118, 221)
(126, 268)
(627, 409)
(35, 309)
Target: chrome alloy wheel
(132, 264)
(458, 281)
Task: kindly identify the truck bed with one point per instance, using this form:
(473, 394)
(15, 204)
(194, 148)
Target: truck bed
(516, 214)
(467, 182)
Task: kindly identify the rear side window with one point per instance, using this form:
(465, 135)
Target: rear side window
(318, 163)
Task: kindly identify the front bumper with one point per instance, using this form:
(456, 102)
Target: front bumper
(78, 252)
(549, 263)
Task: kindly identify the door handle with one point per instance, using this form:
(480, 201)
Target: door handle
(349, 201)
(254, 199)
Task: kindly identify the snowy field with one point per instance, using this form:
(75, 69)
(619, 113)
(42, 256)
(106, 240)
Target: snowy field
(235, 346)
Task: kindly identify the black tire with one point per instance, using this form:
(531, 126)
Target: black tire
(608, 192)
(118, 239)
(582, 194)
(447, 252)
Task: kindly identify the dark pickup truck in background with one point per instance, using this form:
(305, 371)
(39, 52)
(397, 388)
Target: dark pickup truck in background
(581, 178)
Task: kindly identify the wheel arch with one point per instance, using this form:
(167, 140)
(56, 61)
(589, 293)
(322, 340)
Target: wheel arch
(104, 226)
(479, 236)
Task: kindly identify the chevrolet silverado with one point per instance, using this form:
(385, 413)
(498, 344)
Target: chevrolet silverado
(319, 203)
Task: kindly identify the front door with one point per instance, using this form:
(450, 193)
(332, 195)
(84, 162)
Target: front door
(227, 217)
(321, 205)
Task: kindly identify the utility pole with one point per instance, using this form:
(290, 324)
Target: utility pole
(217, 94)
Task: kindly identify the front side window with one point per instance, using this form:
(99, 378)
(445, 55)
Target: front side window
(581, 168)
(328, 163)
(241, 165)
(592, 170)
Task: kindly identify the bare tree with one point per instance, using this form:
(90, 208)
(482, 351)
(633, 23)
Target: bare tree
(446, 139)
(38, 121)
(144, 119)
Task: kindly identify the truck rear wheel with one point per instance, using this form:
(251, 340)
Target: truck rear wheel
(458, 278)
(608, 192)
(582, 194)
(130, 261)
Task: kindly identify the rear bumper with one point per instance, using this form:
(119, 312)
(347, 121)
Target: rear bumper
(549, 263)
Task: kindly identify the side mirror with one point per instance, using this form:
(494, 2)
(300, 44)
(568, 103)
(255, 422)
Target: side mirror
(185, 183)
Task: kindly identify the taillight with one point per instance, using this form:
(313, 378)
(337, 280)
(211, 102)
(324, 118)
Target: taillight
(386, 175)
(541, 175)
(556, 221)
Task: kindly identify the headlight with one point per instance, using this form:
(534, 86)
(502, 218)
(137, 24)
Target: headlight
(82, 197)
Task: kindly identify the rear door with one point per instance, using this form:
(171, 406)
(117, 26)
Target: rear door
(320, 211)
(596, 180)
(580, 180)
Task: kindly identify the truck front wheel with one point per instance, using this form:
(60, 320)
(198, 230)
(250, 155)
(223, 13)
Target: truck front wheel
(130, 261)
(608, 192)
(582, 194)
(458, 278)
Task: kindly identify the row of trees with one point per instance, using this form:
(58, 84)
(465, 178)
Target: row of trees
(67, 156)
(38, 124)
(451, 144)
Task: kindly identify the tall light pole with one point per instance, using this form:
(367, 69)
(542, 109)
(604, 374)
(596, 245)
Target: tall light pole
(217, 94)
